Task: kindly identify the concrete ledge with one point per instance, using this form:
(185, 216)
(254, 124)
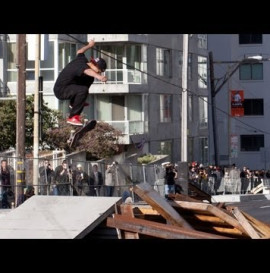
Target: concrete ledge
(239, 197)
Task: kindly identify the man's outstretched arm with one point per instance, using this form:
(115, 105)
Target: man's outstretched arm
(83, 49)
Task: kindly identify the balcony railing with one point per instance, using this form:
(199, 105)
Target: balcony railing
(129, 127)
(123, 76)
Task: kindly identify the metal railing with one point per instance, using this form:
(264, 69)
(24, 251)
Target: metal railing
(123, 76)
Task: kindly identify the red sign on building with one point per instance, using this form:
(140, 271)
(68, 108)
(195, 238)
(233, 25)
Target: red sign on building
(237, 103)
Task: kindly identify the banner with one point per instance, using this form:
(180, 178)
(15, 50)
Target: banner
(237, 103)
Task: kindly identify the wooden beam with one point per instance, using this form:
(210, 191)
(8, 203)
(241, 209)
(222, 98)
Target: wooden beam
(159, 230)
(260, 226)
(145, 191)
(200, 195)
(127, 210)
(246, 225)
(214, 210)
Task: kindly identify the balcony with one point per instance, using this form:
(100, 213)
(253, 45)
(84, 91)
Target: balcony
(129, 128)
(124, 76)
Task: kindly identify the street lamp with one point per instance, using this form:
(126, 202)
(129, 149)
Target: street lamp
(215, 89)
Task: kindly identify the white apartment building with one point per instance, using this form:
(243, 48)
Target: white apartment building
(243, 139)
(142, 97)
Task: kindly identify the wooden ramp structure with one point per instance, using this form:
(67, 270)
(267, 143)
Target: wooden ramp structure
(56, 217)
(188, 219)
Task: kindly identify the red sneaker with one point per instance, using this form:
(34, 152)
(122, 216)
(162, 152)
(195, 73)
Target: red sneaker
(84, 105)
(75, 120)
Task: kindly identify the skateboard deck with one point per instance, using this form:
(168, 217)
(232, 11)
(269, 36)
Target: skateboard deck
(79, 133)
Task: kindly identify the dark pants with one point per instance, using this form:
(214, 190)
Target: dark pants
(76, 94)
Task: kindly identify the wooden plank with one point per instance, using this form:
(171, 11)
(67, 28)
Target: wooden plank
(260, 226)
(246, 225)
(159, 230)
(149, 195)
(200, 195)
(117, 210)
(147, 210)
(127, 210)
(183, 197)
(214, 210)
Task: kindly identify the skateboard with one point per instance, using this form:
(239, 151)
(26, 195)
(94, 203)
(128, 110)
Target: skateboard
(79, 133)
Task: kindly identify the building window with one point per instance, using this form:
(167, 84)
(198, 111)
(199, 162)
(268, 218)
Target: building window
(163, 62)
(166, 148)
(180, 60)
(46, 66)
(251, 142)
(202, 72)
(203, 149)
(251, 71)
(165, 108)
(67, 52)
(203, 112)
(202, 41)
(250, 39)
(253, 107)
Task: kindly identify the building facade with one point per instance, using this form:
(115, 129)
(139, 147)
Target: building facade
(242, 129)
(142, 97)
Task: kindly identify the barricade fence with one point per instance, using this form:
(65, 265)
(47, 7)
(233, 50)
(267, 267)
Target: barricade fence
(77, 178)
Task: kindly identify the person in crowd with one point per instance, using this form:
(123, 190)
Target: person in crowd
(46, 176)
(170, 176)
(110, 179)
(63, 178)
(80, 181)
(5, 190)
(95, 181)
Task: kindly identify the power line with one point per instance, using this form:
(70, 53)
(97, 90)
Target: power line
(172, 84)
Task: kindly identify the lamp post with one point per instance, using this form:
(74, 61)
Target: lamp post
(214, 89)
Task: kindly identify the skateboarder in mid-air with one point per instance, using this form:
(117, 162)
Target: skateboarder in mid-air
(75, 79)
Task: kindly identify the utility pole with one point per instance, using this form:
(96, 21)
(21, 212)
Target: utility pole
(213, 108)
(215, 89)
(20, 117)
(184, 100)
(36, 115)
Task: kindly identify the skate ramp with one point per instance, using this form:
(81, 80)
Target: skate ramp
(56, 217)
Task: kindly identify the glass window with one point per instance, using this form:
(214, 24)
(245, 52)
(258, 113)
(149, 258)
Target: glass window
(46, 66)
(166, 148)
(253, 107)
(134, 106)
(67, 52)
(203, 148)
(203, 112)
(251, 71)
(163, 62)
(202, 72)
(252, 142)
(250, 38)
(111, 108)
(202, 41)
(165, 108)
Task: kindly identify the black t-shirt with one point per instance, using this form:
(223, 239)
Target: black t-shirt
(73, 73)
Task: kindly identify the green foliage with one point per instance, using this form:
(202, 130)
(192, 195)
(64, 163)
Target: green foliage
(8, 128)
(7, 124)
(145, 159)
(102, 142)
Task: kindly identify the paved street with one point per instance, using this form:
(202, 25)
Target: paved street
(259, 209)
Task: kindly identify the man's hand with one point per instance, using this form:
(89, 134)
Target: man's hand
(91, 43)
(103, 78)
